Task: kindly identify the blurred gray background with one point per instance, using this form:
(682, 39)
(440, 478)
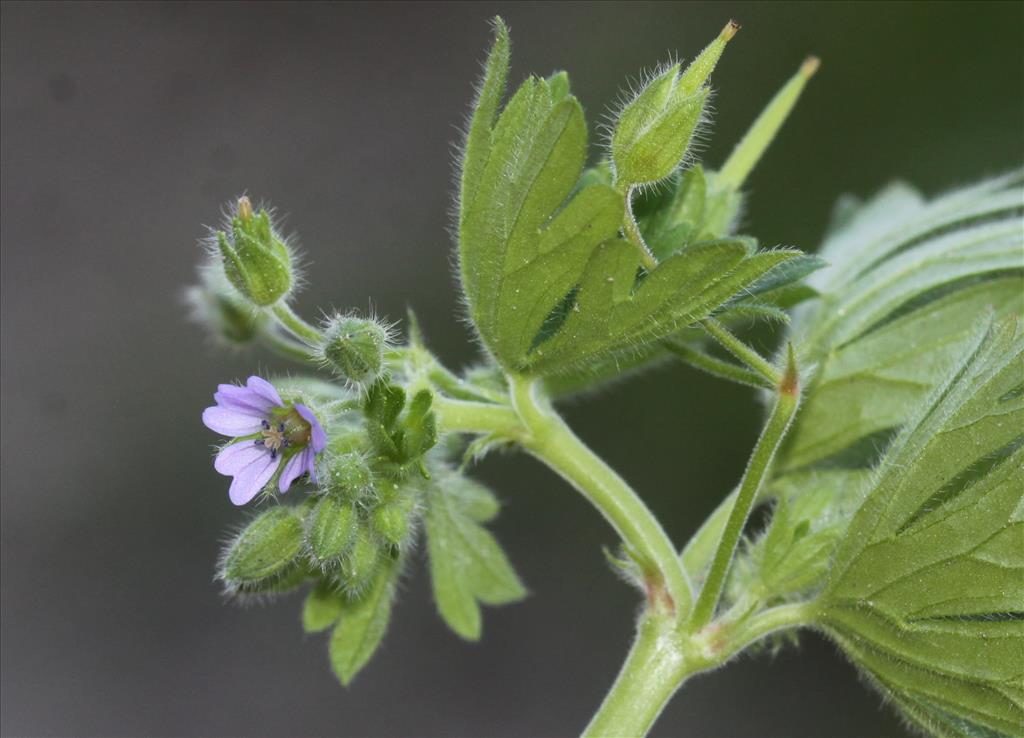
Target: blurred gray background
(126, 127)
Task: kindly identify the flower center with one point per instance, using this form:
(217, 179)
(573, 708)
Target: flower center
(280, 433)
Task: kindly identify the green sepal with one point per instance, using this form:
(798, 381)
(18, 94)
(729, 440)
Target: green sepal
(678, 219)
(322, 608)
(266, 550)
(420, 426)
(467, 566)
(362, 623)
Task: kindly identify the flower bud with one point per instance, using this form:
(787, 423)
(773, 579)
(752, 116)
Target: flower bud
(349, 476)
(354, 348)
(265, 551)
(653, 132)
(330, 530)
(393, 520)
(359, 566)
(256, 261)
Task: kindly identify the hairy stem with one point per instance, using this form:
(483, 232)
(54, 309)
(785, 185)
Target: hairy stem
(286, 346)
(757, 470)
(632, 231)
(655, 668)
(294, 324)
(553, 442)
(716, 367)
(662, 658)
(741, 351)
(464, 416)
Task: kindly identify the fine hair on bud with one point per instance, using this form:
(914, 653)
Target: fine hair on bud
(264, 557)
(249, 249)
(353, 348)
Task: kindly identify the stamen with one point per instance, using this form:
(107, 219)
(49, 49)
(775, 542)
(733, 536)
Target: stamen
(266, 425)
(258, 441)
(273, 454)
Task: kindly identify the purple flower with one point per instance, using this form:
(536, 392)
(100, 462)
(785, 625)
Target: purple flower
(271, 438)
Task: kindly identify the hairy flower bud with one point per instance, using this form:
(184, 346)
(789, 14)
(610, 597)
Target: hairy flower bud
(256, 260)
(331, 530)
(265, 551)
(358, 567)
(353, 348)
(349, 476)
(393, 520)
(654, 130)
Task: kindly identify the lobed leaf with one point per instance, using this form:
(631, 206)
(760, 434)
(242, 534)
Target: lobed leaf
(613, 310)
(906, 283)
(927, 590)
(362, 624)
(467, 566)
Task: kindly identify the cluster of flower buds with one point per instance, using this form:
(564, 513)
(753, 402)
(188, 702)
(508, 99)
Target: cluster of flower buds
(365, 505)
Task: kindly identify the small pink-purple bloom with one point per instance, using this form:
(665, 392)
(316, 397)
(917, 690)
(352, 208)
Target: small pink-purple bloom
(258, 410)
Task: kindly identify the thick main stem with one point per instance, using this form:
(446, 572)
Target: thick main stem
(653, 671)
(553, 442)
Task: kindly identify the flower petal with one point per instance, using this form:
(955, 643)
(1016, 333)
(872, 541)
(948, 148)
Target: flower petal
(231, 422)
(248, 482)
(243, 399)
(234, 458)
(264, 389)
(297, 466)
(318, 438)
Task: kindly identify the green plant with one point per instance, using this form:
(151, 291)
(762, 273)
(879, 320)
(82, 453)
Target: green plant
(891, 456)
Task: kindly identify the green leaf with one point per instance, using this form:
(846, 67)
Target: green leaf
(322, 608)
(362, 624)
(613, 312)
(467, 566)
(477, 148)
(927, 589)
(906, 283)
(518, 257)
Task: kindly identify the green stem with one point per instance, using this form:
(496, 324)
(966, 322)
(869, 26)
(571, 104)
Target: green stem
(716, 367)
(553, 442)
(286, 347)
(757, 470)
(632, 231)
(291, 321)
(661, 660)
(655, 668)
(462, 416)
(741, 351)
